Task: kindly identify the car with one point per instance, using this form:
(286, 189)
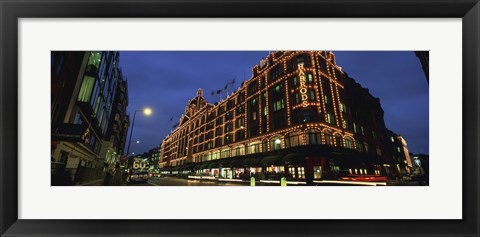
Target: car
(138, 176)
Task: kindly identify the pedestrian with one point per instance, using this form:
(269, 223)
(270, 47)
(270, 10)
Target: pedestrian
(108, 181)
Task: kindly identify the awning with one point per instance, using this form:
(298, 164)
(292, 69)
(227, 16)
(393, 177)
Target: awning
(204, 166)
(294, 159)
(251, 162)
(69, 132)
(224, 163)
(236, 163)
(213, 165)
(271, 160)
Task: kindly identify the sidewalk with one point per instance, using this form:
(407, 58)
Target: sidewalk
(97, 182)
(263, 182)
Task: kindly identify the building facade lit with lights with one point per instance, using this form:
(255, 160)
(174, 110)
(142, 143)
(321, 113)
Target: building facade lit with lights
(298, 115)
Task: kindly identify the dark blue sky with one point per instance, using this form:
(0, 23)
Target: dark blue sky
(166, 80)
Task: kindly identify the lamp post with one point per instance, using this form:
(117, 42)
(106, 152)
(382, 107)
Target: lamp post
(146, 112)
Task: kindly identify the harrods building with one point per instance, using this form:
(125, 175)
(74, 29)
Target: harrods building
(299, 115)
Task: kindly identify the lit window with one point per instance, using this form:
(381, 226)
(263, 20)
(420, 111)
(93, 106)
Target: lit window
(86, 89)
(329, 118)
(278, 105)
(310, 78)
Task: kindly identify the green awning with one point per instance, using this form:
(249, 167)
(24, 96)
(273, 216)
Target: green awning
(251, 162)
(271, 160)
(224, 163)
(236, 163)
(213, 165)
(294, 159)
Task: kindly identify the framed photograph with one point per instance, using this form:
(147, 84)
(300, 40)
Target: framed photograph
(239, 118)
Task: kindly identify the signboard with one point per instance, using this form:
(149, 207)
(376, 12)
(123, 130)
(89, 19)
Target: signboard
(140, 164)
(303, 87)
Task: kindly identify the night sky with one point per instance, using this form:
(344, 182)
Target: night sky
(166, 80)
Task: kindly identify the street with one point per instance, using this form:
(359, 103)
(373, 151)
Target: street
(173, 181)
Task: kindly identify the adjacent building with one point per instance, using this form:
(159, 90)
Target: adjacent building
(118, 124)
(400, 154)
(86, 98)
(424, 57)
(299, 115)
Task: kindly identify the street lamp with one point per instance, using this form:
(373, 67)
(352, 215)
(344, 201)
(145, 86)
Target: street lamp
(146, 112)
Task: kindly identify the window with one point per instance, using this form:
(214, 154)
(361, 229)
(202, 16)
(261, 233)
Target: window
(278, 105)
(253, 102)
(252, 87)
(297, 98)
(291, 170)
(328, 138)
(278, 88)
(276, 143)
(359, 146)
(253, 131)
(343, 108)
(239, 110)
(254, 115)
(86, 89)
(329, 118)
(312, 95)
(240, 135)
(228, 127)
(228, 116)
(215, 155)
(227, 139)
(379, 152)
(295, 81)
(225, 153)
(366, 146)
(314, 138)
(278, 122)
(338, 140)
(301, 172)
(294, 140)
(309, 78)
(348, 143)
(326, 99)
(239, 151)
(254, 148)
(276, 72)
(78, 119)
(240, 123)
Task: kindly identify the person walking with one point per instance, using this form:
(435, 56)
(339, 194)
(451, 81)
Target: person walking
(109, 178)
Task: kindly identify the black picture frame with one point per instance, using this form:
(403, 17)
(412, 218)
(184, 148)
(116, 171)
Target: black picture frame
(11, 11)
